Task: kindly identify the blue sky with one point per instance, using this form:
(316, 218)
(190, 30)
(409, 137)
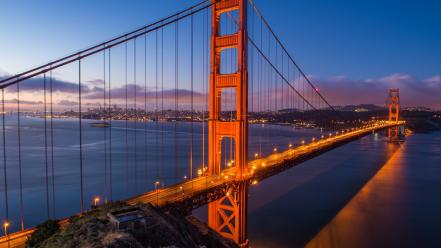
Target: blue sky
(334, 41)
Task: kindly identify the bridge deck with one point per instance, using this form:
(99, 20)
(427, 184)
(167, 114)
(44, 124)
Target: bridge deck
(217, 185)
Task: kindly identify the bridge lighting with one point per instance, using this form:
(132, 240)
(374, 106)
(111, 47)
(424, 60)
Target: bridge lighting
(256, 155)
(322, 136)
(275, 149)
(330, 134)
(6, 225)
(263, 164)
(303, 142)
(313, 139)
(156, 185)
(254, 182)
(229, 164)
(199, 172)
(185, 177)
(96, 200)
(290, 145)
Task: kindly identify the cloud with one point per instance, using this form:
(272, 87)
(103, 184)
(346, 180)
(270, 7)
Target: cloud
(434, 81)
(14, 101)
(396, 79)
(37, 84)
(342, 90)
(120, 93)
(96, 82)
(67, 103)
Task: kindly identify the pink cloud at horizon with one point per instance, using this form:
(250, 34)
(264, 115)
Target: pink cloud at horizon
(341, 90)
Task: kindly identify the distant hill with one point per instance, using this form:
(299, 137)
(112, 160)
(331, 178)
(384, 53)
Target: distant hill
(359, 108)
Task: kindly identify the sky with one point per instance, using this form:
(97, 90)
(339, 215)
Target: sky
(353, 50)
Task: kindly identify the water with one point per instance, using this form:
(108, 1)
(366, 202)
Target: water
(152, 152)
(365, 194)
(368, 193)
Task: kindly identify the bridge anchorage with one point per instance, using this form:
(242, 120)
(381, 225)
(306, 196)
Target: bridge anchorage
(234, 111)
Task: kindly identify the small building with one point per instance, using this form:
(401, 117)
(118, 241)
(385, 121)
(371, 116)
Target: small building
(128, 218)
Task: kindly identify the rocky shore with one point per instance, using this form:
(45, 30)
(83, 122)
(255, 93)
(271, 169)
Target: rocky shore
(158, 228)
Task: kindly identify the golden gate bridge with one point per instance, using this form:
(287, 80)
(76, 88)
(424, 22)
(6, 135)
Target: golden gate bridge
(186, 105)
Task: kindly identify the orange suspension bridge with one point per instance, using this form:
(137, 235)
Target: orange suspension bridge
(187, 111)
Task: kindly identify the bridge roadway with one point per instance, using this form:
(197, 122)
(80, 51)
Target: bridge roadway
(203, 189)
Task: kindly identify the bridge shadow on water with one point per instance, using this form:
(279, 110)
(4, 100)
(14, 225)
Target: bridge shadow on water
(290, 209)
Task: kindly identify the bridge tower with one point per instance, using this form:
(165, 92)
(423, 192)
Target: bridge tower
(228, 215)
(394, 104)
(394, 111)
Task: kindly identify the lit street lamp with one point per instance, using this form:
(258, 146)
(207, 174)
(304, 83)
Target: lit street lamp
(96, 200)
(6, 227)
(157, 192)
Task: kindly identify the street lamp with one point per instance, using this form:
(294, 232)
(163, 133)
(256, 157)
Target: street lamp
(199, 172)
(157, 192)
(256, 155)
(96, 200)
(275, 149)
(6, 227)
(290, 145)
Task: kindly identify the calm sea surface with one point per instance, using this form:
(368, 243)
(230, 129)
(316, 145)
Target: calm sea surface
(368, 193)
(365, 194)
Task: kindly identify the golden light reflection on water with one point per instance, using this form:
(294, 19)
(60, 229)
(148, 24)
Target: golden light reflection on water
(365, 215)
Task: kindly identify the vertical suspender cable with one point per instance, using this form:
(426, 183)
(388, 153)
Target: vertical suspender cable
(19, 158)
(110, 134)
(126, 127)
(5, 172)
(52, 143)
(204, 78)
(45, 149)
(136, 117)
(161, 157)
(81, 138)
(145, 111)
(192, 109)
(176, 97)
(156, 110)
(105, 129)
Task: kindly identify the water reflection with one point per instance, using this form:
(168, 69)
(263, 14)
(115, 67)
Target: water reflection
(356, 221)
(398, 207)
(289, 209)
